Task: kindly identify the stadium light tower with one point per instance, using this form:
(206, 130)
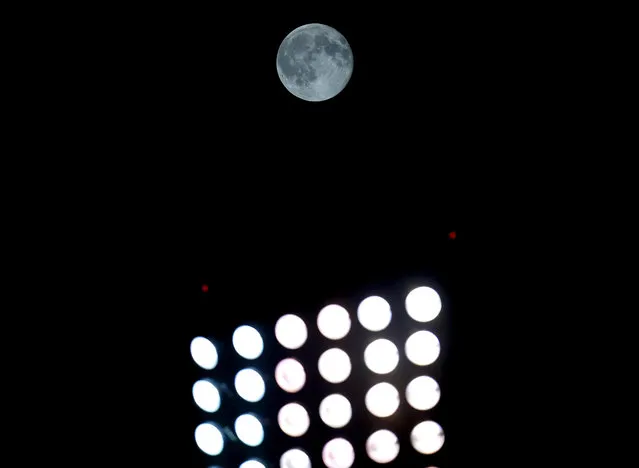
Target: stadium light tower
(350, 383)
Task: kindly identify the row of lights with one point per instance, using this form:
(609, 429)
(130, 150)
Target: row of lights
(381, 357)
(382, 400)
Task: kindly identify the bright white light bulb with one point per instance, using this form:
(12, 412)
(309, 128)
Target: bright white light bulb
(423, 393)
(427, 437)
(295, 458)
(248, 342)
(382, 446)
(381, 356)
(374, 313)
(334, 322)
(291, 331)
(422, 348)
(335, 410)
(204, 353)
(252, 464)
(338, 453)
(423, 304)
(206, 396)
(290, 375)
(334, 365)
(249, 430)
(209, 439)
(249, 385)
(382, 400)
(293, 419)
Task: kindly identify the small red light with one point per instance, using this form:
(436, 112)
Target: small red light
(453, 235)
(205, 288)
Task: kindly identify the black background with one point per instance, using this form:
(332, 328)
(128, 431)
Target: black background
(216, 174)
(280, 205)
(441, 97)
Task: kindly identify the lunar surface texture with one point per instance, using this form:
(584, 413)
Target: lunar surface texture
(315, 62)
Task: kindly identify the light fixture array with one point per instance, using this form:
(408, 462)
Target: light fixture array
(382, 400)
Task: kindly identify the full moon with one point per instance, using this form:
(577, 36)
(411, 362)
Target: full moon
(315, 62)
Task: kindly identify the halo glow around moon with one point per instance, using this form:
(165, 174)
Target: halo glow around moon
(315, 62)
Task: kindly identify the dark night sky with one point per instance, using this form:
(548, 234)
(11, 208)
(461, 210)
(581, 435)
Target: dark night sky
(165, 153)
(443, 105)
(198, 92)
(224, 177)
(303, 199)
